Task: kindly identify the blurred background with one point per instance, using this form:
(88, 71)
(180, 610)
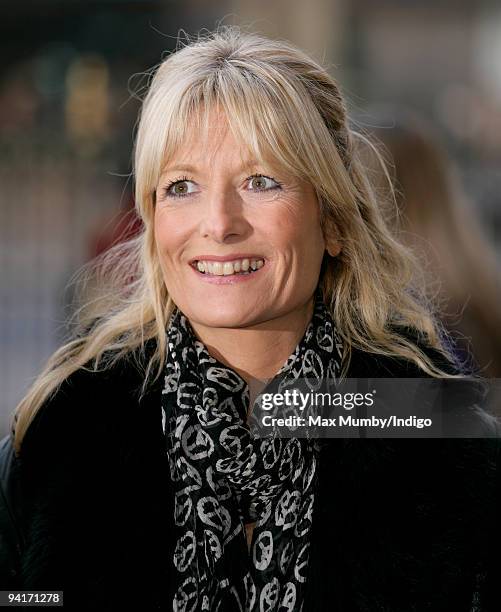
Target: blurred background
(423, 76)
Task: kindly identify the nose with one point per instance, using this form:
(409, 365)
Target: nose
(223, 216)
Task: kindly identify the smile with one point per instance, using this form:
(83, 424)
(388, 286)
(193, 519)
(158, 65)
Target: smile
(238, 267)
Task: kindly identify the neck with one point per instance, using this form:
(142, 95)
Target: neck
(257, 352)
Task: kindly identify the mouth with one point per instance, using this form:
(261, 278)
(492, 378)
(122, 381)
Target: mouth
(237, 267)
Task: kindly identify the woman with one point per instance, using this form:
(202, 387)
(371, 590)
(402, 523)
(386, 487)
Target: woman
(263, 252)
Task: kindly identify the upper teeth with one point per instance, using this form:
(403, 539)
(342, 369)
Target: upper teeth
(225, 268)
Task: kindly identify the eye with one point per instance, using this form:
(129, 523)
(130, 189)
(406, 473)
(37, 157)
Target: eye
(262, 183)
(178, 188)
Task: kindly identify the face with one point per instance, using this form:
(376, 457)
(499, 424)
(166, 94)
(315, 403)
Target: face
(240, 243)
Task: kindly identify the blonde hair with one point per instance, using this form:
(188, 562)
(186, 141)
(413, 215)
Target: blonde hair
(288, 110)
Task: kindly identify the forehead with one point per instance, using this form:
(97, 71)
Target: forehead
(209, 139)
(199, 146)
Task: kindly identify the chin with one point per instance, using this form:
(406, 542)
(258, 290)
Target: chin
(226, 319)
(224, 313)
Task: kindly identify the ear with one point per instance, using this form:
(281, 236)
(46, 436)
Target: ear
(331, 234)
(334, 248)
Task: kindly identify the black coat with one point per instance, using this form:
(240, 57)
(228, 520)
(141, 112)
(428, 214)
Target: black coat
(398, 525)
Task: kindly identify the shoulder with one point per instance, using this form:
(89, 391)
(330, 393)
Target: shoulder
(365, 364)
(89, 443)
(467, 392)
(89, 405)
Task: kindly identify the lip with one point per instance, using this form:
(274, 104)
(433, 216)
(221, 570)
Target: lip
(231, 257)
(231, 279)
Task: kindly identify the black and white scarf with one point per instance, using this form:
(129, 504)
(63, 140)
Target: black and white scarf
(224, 478)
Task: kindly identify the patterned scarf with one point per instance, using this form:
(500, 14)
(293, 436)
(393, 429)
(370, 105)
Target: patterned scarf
(223, 477)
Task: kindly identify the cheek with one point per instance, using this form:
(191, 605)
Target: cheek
(161, 236)
(169, 234)
(284, 224)
(296, 228)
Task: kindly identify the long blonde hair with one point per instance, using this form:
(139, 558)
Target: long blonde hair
(287, 109)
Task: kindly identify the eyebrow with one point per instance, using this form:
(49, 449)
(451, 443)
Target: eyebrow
(189, 168)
